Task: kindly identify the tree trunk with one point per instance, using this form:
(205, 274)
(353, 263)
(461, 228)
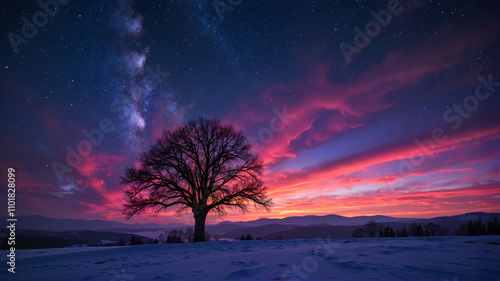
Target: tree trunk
(199, 227)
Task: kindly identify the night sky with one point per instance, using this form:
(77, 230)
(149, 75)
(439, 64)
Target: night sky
(403, 121)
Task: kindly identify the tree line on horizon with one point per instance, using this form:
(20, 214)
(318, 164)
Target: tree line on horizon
(248, 237)
(370, 229)
(477, 227)
(180, 236)
(133, 241)
(472, 228)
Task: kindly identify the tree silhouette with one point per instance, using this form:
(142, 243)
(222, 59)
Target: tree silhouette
(461, 230)
(477, 227)
(442, 231)
(121, 243)
(403, 233)
(493, 227)
(189, 234)
(432, 228)
(162, 238)
(388, 232)
(181, 235)
(203, 166)
(420, 231)
(175, 236)
(415, 230)
(358, 233)
(471, 231)
(371, 228)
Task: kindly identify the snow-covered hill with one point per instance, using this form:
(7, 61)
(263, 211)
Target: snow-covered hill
(435, 258)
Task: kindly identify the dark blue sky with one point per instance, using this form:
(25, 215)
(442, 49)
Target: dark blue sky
(339, 131)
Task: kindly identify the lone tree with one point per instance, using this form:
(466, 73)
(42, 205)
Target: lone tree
(371, 228)
(358, 233)
(203, 166)
(432, 228)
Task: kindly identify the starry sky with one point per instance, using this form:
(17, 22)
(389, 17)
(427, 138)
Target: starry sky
(356, 107)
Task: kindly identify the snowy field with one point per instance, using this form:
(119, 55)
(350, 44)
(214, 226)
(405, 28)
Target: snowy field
(435, 258)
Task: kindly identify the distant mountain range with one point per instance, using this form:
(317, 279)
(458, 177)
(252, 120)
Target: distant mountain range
(343, 227)
(328, 219)
(42, 232)
(285, 228)
(53, 224)
(40, 239)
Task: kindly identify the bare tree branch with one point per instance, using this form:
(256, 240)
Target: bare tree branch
(203, 166)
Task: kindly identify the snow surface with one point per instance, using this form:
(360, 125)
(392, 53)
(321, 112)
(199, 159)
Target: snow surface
(434, 258)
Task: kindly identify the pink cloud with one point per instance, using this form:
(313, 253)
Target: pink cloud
(97, 167)
(379, 155)
(352, 100)
(394, 203)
